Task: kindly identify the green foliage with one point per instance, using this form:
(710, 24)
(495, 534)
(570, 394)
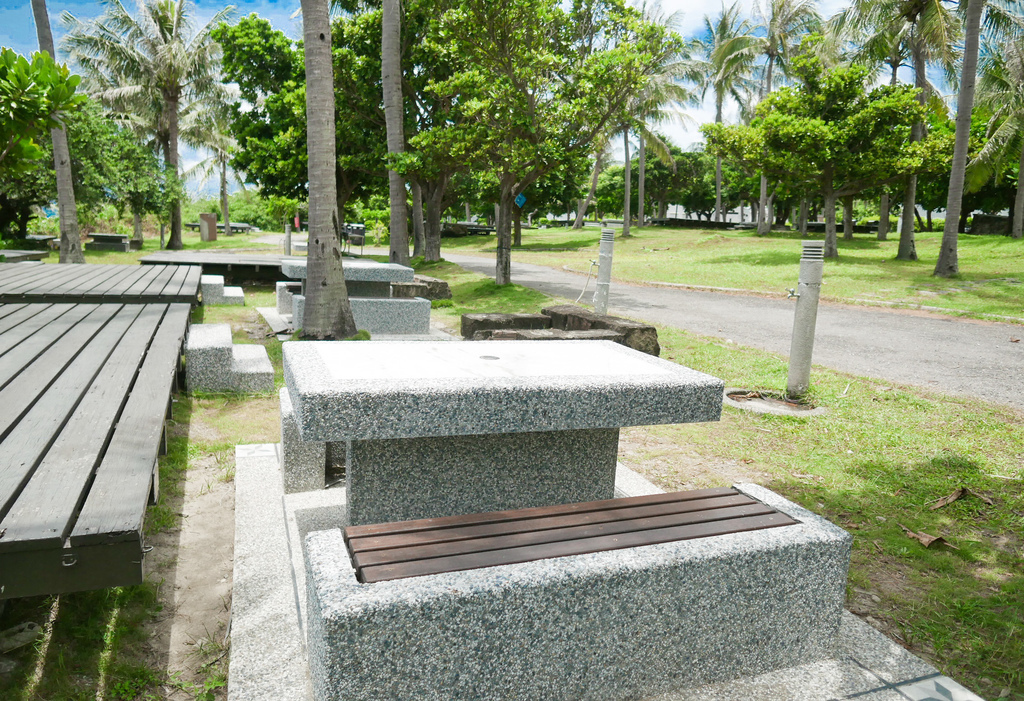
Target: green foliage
(34, 97)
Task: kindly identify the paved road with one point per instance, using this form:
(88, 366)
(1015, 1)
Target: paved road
(964, 357)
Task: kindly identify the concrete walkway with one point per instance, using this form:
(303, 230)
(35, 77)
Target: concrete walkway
(957, 356)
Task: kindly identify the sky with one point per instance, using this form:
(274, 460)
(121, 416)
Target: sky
(17, 31)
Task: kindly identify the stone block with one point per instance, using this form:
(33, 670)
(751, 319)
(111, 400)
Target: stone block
(368, 288)
(212, 289)
(233, 295)
(303, 463)
(298, 309)
(406, 290)
(637, 335)
(208, 227)
(251, 370)
(549, 335)
(391, 316)
(284, 292)
(208, 358)
(471, 323)
(436, 289)
(620, 624)
(409, 478)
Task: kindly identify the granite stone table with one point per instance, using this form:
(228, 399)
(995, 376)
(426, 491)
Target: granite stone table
(438, 429)
(369, 289)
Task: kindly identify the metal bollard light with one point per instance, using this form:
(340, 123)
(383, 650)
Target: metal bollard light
(604, 271)
(812, 264)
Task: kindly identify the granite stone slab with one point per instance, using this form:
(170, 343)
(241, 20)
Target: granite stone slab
(391, 315)
(251, 370)
(208, 357)
(395, 390)
(303, 463)
(356, 270)
(408, 478)
(298, 310)
(610, 625)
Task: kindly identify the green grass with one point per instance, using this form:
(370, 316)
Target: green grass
(991, 279)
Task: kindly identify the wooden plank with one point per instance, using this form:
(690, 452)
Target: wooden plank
(156, 287)
(38, 272)
(525, 539)
(114, 276)
(10, 273)
(64, 570)
(575, 547)
(40, 421)
(190, 287)
(16, 314)
(173, 286)
(44, 512)
(33, 338)
(155, 277)
(116, 290)
(72, 277)
(7, 309)
(115, 507)
(464, 533)
(534, 512)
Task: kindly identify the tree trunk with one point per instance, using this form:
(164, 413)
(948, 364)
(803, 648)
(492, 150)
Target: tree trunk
(391, 77)
(928, 224)
(327, 312)
(803, 216)
(718, 164)
(503, 265)
(962, 222)
(224, 197)
(763, 224)
(848, 218)
(883, 217)
(418, 243)
(432, 204)
(908, 249)
(517, 232)
(578, 224)
(174, 240)
(662, 209)
(137, 227)
(468, 212)
(628, 196)
(948, 264)
(831, 249)
(70, 238)
(1017, 228)
(642, 156)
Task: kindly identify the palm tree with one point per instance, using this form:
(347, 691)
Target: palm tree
(210, 129)
(327, 313)
(727, 51)
(70, 240)
(783, 22)
(152, 65)
(1001, 92)
(394, 114)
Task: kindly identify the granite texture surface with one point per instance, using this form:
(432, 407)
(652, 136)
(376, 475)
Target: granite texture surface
(303, 463)
(472, 323)
(208, 358)
(361, 288)
(356, 270)
(298, 310)
(214, 292)
(391, 315)
(397, 390)
(410, 290)
(611, 625)
(408, 478)
(284, 292)
(251, 370)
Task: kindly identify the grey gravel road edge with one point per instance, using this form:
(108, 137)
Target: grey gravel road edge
(957, 356)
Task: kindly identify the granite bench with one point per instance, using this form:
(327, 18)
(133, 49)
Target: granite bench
(613, 624)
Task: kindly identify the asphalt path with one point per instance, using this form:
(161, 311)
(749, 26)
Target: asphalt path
(957, 356)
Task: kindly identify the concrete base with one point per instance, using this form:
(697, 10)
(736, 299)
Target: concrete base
(268, 658)
(119, 247)
(251, 370)
(298, 309)
(303, 464)
(214, 364)
(214, 292)
(391, 316)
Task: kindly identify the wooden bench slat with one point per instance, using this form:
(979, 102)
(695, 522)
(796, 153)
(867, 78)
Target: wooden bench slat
(115, 508)
(510, 556)
(40, 413)
(11, 273)
(46, 508)
(461, 533)
(23, 278)
(397, 527)
(158, 278)
(67, 278)
(535, 538)
(12, 322)
(8, 309)
(111, 277)
(116, 289)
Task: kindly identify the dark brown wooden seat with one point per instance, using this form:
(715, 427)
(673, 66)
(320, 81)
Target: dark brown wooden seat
(402, 549)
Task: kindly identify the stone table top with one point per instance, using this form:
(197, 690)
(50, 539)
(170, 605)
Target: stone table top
(356, 270)
(358, 391)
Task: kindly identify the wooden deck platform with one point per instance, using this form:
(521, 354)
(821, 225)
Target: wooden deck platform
(89, 283)
(12, 256)
(235, 267)
(86, 391)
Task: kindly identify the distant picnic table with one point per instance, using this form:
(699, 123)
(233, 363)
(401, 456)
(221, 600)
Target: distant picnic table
(240, 227)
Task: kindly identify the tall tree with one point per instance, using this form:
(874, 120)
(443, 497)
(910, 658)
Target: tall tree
(394, 114)
(328, 314)
(70, 240)
(784, 23)
(727, 54)
(210, 129)
(151, 66)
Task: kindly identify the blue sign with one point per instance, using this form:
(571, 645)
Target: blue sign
(520, 200)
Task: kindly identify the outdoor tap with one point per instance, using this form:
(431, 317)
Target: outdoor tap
(792, 293)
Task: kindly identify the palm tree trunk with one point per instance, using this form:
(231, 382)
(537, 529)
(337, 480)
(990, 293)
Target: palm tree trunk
(628, 175)
(391, 76)
(578, 224)
(831, 249)
(947, 264)
(224, 197)
(327, 312)
(432, 205)
(174, 242)
(848, 217)
(1017, 230)
(907, 248)
(418, 244)
(503, 262)
(70, 239)
(883, 217)
(641, 157)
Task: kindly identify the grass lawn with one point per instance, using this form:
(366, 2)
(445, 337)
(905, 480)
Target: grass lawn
(189, 240)
(991, 279)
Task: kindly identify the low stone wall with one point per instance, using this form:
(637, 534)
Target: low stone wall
(611, 625)
(474, 323)
(436, 289)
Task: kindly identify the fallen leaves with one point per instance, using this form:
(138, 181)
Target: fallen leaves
(925, 539)
(1014, 340)
(958, 493)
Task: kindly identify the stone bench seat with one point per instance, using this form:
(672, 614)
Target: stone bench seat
(386, 551)
(616, 624)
